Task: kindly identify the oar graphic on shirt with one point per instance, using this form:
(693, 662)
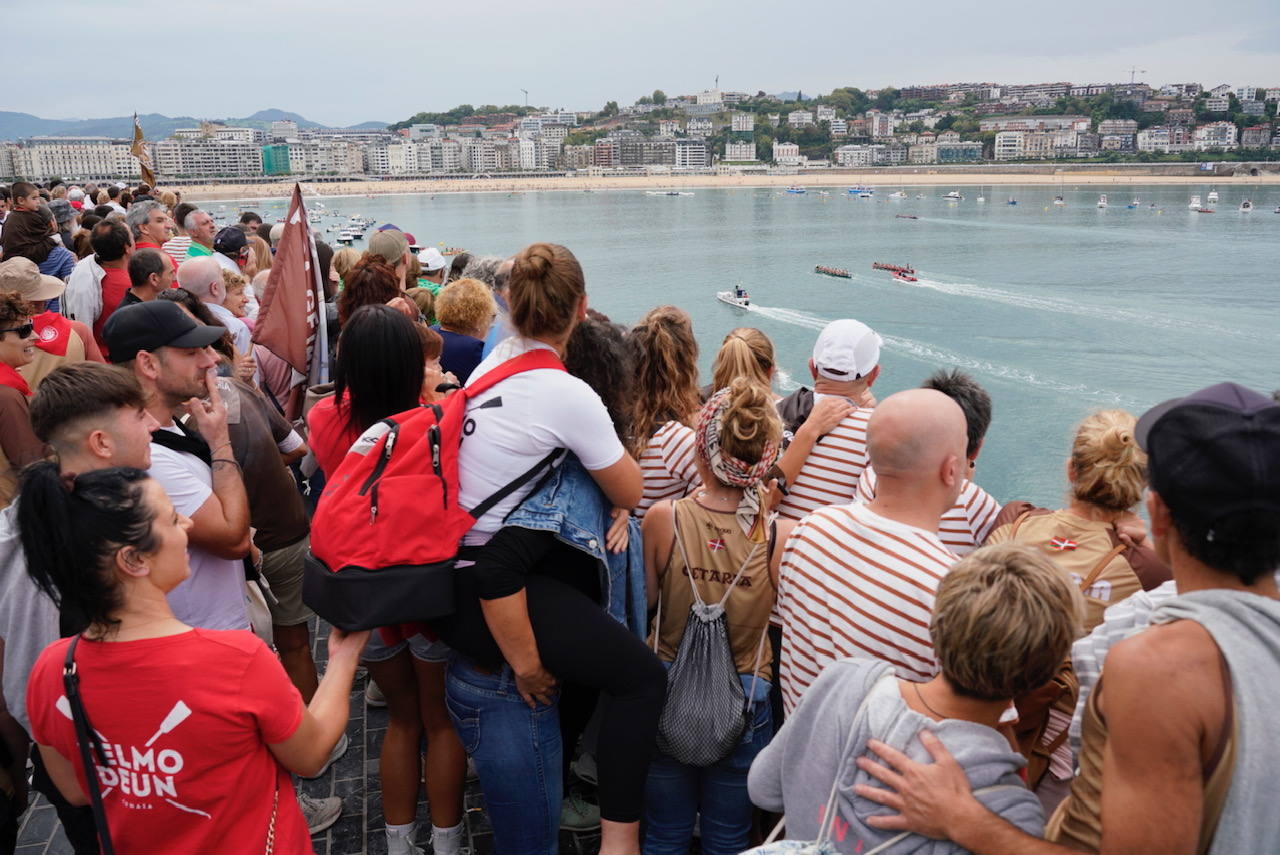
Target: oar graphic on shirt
(168, 761)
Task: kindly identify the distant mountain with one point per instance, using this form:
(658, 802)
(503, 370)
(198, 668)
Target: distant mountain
(155, 126)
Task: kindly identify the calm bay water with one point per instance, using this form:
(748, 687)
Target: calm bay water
(1058, 311)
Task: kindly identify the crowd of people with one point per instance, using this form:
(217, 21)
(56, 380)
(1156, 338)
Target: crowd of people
(689, 609)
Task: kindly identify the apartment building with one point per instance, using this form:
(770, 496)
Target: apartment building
(740, 151)
(1218, 103)
(800, 118)
(1162, 139)
(72, 158)
(1221, 135)
(692, 154)
(787, 154)
(957, 151)
(744, 122)
(206, 157)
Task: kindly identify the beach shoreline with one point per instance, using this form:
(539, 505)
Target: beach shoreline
(1065, 177)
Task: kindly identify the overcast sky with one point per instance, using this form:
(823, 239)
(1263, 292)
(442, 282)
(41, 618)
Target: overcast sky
(341, 62)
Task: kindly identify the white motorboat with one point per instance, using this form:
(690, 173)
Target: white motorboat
(954, 196)
(1059, 201)
(1213, 195)
(1246, 207)
(898, 194)
(737, 297)
(1195, 203)
(981, 200)
(1102, 201)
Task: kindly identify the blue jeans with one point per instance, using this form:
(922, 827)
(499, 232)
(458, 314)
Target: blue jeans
(517, 754)
(676, 794)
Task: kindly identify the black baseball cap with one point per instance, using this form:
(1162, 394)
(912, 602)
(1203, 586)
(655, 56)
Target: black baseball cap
(1214, 453)
(153, 325)
(230, 240)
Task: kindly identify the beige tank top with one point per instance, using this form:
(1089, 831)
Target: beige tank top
(44, 363)
(1078, 820)
(716, 548)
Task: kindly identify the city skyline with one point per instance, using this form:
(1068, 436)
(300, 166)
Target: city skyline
(566, 53)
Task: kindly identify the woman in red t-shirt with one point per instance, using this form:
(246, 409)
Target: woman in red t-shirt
(199, 728)
(387, 364)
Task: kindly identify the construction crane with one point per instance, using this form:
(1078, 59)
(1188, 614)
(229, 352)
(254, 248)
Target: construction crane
(1134, 71)
(526, 96)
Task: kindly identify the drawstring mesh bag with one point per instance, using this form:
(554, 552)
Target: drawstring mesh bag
(706, 711)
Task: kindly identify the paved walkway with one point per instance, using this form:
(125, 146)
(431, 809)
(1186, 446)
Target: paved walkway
(354, 777)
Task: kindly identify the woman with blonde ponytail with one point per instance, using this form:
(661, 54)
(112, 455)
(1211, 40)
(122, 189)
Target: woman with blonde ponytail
(665, 401)
(720, 541)
(745, 352)
(1107, 472)
(1100, 543)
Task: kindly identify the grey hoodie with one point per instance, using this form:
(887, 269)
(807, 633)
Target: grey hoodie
(794, 773)
(1246, 628)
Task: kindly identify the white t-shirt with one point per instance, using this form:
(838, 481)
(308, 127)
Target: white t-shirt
(518, 422)
(212, 597)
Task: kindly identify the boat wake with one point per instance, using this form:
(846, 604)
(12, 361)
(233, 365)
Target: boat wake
(1064, 307)
(940, 356)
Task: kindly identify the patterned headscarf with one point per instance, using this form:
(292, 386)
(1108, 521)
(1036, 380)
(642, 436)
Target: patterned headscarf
(732, 471)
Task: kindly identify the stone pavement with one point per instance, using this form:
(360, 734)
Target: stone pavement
(354, 777)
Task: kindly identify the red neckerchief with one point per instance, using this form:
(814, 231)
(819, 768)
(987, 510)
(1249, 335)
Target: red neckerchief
(53, 333)
(9, 376)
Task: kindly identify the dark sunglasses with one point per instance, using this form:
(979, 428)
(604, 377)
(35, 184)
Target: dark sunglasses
(23, 331)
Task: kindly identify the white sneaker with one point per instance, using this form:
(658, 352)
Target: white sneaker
(319, 813)
(373, 696)
(403, 846)
(338, 750)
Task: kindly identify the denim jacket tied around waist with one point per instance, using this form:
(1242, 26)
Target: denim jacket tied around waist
(570, 505)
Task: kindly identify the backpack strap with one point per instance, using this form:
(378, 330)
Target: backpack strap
(189, 442)
(528, 361)
(520, 480)
(89, 743)
(1100, 566)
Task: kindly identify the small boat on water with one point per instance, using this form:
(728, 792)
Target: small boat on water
(1012, 201)
(1133, 205)
(1102, 201)
(862, 192)
(1213, 194)
(796, 190)
(666, 193)
(1205, 211)
(345, 236)
(1246, 207)
(953, 196)
(898, 194)
(906, 216)
(1059, 201)
(452, 250)
(905, 277)
(893, 268)
(919, 195)
(981, 200)
(1195, 203)
(832, 271)
(820, 193)
(737, 297)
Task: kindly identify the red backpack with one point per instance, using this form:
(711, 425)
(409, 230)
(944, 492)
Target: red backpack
(387, 529)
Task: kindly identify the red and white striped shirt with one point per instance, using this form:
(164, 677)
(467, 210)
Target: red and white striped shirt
(965, 525)
(667, 464)
(854, 583)
(830, 474)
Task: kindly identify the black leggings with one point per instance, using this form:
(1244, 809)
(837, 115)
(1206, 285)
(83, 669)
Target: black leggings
(581, 645)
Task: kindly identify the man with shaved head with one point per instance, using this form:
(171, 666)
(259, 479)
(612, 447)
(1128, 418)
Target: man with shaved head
(859, 580)
(202, 276)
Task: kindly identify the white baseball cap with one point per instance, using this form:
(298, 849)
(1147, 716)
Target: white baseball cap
(846, 350)
(431, 259)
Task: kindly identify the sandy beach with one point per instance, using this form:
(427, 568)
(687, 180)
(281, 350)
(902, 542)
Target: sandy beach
(1068, 175)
